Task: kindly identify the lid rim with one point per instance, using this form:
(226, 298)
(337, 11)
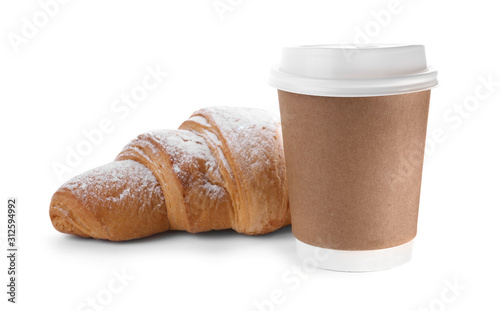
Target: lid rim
(373, 70)
(353, 87)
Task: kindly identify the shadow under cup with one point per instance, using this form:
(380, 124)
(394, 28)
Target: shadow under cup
(354, 170)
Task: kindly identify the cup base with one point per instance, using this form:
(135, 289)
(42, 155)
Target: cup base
(355, 261)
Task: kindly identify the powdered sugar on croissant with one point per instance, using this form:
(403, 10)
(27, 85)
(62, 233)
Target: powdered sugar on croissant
(224, 168)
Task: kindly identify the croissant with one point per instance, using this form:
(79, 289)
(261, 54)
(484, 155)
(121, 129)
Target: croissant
(223, 168)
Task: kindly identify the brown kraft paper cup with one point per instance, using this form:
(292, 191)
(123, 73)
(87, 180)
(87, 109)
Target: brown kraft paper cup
(354, 167)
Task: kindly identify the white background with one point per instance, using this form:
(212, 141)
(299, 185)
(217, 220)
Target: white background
(64, 79)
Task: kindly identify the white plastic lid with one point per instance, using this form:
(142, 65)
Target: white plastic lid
(353, 70)
(354, 261)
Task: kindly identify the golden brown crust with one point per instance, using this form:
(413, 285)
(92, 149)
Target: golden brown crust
(224, 168)
(249, 148)
(197, 200)
(117, 201)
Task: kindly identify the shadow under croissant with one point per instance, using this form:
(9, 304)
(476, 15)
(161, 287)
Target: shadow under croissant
(216, 241)
(214, 235)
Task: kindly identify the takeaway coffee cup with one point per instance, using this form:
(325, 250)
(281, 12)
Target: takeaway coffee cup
(354, 122)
